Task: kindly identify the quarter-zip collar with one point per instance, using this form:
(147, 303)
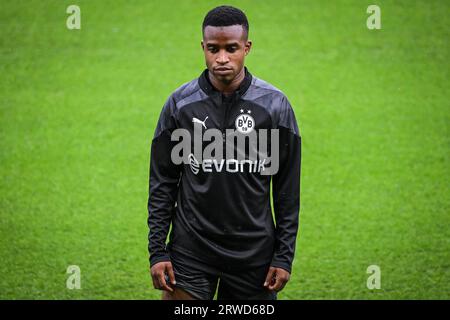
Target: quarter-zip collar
(210, 90)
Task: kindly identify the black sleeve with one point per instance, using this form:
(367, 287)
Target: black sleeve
(163, 185)
(286, 188)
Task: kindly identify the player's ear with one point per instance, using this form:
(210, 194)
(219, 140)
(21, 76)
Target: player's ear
(203, 45)
(248, 46)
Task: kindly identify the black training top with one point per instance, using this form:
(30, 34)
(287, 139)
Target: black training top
(221, 210)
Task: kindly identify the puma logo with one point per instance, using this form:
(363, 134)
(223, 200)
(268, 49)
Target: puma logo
(195, 120)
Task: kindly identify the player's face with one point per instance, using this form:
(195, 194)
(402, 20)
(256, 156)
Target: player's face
(225, 49)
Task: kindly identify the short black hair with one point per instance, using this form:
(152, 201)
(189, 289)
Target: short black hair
(224, 16)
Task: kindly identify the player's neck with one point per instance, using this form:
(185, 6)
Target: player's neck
(227, 88)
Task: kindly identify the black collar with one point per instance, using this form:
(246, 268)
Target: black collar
(209, 89)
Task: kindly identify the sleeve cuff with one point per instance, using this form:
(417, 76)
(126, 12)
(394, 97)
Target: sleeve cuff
(160, 258)
(282, 265)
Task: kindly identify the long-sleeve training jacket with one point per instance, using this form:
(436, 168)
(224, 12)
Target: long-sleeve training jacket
(221, 211)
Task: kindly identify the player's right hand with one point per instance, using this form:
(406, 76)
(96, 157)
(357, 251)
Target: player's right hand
(159, 273)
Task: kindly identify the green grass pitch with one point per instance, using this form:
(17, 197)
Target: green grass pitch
(78, 110)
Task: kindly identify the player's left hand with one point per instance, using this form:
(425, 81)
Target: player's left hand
(276, 279)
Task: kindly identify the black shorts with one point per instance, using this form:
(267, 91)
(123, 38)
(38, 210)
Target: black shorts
(201, 280)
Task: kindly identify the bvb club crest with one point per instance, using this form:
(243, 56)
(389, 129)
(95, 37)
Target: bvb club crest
(245, 122)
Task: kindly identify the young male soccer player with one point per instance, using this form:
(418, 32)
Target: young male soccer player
(223, 236)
